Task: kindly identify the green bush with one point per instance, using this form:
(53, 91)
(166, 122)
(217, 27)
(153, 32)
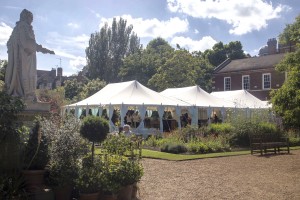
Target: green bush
(197, 147)
(117, 144)
(224, 128)
(95, 129)
(37, 153)
(173, 148)
(294, 141)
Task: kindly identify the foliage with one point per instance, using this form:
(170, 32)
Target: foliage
(130, 172)
(67, 147)
(91, 88)
(36, 155)
(9, 108)
(119, 171)
(12, 187)
(72, 89)
(55, 97)
(219, 128)
(117, 144)
(286, 100)
(291, 33)
(108, 48)
(143, 64)
(95, 129)
(3, 65)
(90, 177)
(173, 148)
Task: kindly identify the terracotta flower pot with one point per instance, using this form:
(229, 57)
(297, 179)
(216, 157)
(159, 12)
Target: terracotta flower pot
(125, 193)
(92, 196)
(34, 179)
(63, 193)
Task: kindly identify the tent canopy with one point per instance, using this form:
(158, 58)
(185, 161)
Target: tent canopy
(241, 99)
(128, 93)
(196, 96)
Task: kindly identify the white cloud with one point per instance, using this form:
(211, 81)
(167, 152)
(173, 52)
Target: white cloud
(5, 32)
(78, 63)
(196, 31)
(153, 27)
(207, 42)
(73, 25)
(79, 41)
(244, 16)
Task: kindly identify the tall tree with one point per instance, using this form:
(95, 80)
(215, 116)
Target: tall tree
(142, 65)
(234, 50)
(291, 33)
(108, 48)
(178, 71)
(220, 52)
(286, 100)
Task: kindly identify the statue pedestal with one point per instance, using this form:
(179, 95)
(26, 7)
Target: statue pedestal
(32, 110)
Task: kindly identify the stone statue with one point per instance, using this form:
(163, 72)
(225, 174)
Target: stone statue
(21, 75)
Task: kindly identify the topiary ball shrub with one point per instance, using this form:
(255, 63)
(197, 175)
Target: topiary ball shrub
(94, 128)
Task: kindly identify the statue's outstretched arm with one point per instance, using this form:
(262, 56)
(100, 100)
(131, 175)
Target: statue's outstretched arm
(40, 48)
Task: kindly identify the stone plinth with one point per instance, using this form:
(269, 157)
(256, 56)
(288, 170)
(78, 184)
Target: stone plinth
(32, 110)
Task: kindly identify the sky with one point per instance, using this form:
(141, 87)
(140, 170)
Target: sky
(65, 26)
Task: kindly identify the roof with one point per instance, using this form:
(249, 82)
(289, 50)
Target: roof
(253, 63)
(196, 96)
(241, 99)
(128, 93)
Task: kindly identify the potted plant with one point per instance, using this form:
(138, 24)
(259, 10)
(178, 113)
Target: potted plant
(131, 172)
(36, 157)
(89, 179)
(67, 147)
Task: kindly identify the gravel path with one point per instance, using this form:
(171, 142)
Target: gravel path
(236, 177)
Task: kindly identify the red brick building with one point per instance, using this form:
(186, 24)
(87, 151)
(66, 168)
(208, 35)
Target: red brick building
(256, 74)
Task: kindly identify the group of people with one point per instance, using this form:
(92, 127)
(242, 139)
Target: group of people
(132, 119)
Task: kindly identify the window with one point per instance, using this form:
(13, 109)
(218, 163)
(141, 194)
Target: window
(266, 81)
(227, 83)
(246, 82)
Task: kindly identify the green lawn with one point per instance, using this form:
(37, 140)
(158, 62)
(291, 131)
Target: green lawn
(146, 153)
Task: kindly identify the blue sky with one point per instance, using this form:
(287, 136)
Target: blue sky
(65, 25)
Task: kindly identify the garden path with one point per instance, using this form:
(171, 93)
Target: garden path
(235, 177)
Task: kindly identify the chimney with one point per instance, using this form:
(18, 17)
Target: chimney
(272, 46)
(59, 72)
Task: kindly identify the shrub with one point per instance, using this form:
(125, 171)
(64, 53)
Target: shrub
(117, 144)
(224, 128)
(173, 148)
(67, 147)
(197, 147)
(95, 129)
(37, 149)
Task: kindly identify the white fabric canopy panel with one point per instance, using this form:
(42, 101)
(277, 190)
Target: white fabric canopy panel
(128, 93)
(196, 96)
(241, 99)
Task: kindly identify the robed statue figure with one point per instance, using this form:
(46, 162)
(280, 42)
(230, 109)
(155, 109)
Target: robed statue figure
(21, 74)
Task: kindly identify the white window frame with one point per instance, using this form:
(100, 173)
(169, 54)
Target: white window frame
(225, 88)
(263, 81)
(244, 84)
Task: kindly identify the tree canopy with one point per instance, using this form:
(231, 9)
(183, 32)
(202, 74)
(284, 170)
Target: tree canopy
(286, 100)
(107, 49)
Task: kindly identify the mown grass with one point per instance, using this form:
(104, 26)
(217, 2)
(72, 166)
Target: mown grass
(146, 153)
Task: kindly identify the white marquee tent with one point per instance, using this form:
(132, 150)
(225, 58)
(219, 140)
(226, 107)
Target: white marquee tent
(124, 95)
(241, 99)
(199, 99)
